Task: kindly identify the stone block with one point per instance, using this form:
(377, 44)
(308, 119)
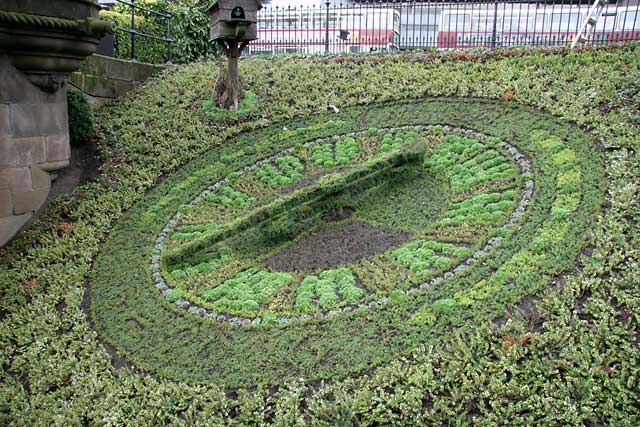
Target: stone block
(5, 120)
(26, 151)
(76, 80)
(39, 119)
(29, 201)
(16, 88)
(142, 72)
(116, 68)
(98, 86)
(54, 166)
(6, 151)
(15, 179)
(123, 87)
(40, 178)
(6, 205)
(101, 66)
(57, 148)
(9, 226)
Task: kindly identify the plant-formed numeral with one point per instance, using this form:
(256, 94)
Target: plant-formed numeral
(486, 208)
(326, 291)
(346, 149)
(247, 291)
(285, 170)
(453, 150)
(227, 196)
(391, 142)
(422, 255)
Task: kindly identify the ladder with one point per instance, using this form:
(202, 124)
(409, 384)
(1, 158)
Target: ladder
(589, 24)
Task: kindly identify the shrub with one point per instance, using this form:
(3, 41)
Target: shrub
(147, 50)
(81, 120)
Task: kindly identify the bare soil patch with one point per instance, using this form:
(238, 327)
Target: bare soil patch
(336, 244)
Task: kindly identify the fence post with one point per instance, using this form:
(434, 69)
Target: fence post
(169, 39)
(326, 30)
(495, 23)
(133, 29)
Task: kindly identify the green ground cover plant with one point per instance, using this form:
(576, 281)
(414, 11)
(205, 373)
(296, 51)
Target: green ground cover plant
(542, 331)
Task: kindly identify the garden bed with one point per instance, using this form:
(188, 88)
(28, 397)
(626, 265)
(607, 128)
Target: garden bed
(526, 192)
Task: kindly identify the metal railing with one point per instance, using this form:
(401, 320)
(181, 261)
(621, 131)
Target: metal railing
(381, 26)
(134, 33)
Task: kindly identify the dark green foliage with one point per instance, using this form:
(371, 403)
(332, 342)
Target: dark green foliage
(148, 50)
(190, 30)
(81, 120)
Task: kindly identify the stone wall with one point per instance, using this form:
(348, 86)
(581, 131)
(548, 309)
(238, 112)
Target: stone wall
(104, 79)
(34, 140)
(34, 137)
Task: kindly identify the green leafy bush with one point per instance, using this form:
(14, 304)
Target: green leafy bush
(147, 50)
(81, 120)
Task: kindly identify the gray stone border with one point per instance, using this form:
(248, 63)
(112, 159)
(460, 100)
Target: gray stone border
(527, 191)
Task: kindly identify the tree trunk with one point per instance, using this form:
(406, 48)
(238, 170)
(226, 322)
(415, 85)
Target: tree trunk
(229, 89)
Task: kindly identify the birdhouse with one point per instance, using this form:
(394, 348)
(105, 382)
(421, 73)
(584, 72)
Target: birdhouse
(234, 19)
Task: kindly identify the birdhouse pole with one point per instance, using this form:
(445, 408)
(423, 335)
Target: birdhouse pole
(233, 26)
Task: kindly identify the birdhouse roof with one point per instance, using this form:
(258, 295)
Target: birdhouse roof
(215, 2)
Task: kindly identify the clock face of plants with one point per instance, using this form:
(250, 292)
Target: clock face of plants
(323, 247)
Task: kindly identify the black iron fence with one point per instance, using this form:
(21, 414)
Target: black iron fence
(136, 10)
(376, 26)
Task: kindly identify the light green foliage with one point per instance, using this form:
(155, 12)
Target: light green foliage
(425, 316)
(245, 292)
(453, 150)
(174, 295)
(324, 292)
(346, 150)
(322, 154)
(485, 167)
(445, 306)
(391, 142)
(288, 171)
(246, 107)
(227, 196)
(421, 255)
(486, 208)
(466, 166)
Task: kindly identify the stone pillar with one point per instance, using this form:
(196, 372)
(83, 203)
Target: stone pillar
(34, 140)
(41, 43)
